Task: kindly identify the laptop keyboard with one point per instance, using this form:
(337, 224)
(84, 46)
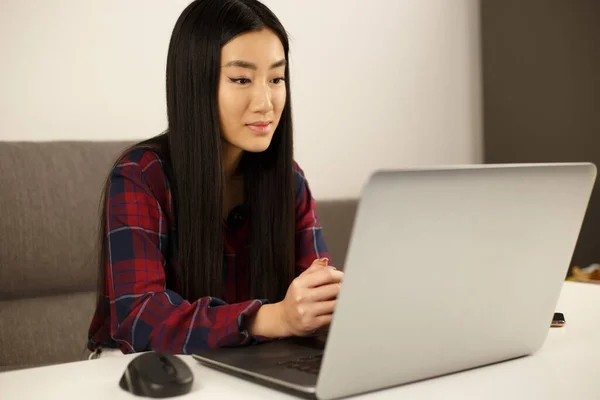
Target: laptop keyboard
(310, 365)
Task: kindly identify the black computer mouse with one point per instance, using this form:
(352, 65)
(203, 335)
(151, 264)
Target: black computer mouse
(157, 375)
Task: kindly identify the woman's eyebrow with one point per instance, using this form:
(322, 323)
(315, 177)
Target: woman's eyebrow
(249, 65)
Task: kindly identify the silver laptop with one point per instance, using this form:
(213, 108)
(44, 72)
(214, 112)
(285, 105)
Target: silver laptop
(448, 269)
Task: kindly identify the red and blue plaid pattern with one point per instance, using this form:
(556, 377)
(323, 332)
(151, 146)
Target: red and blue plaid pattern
(141, 309)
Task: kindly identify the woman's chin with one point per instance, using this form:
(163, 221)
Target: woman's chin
(257, 145)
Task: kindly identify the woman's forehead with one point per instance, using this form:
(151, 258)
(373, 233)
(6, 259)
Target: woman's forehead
(260, 48)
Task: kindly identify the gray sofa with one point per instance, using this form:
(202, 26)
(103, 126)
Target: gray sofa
(49, 208)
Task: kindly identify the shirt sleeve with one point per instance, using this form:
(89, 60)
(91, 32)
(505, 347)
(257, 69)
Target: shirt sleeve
(309, 241)
(144, 314)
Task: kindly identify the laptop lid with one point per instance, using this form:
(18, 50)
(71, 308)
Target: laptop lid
(452, 268)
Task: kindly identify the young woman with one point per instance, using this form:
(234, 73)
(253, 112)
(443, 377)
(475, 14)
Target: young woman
(209, 236)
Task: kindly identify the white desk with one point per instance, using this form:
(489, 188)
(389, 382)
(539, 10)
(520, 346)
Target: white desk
(566, 367)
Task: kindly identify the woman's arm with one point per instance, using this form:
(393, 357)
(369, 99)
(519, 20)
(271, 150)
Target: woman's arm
(267, 322)
(144, 314)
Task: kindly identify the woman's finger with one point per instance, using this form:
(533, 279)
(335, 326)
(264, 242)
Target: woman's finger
(323, 320)
(318, 264)
(322, 293)
(322, 308)
(321, 277)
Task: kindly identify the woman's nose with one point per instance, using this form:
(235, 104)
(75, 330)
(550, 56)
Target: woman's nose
(261, 99)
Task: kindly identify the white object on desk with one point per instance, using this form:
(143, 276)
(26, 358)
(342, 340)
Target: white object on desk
(563, 369)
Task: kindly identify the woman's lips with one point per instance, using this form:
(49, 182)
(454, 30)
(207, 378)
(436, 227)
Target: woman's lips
(260, 127)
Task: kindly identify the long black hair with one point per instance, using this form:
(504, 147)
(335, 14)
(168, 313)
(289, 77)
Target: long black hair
(191, 150)
(193, 69)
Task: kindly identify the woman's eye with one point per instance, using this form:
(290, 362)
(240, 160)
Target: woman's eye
(240, 81)
(278, 80)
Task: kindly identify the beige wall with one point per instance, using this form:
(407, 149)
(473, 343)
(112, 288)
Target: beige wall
(383, 86)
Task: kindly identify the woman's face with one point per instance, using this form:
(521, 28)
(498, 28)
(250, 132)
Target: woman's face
(251, 89)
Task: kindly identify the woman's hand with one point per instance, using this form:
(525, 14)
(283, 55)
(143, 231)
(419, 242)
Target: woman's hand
(310, 300)
(308, 304)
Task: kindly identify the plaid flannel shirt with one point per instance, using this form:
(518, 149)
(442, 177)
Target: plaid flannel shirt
(141, 309)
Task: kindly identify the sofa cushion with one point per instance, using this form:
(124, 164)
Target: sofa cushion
(45, 330)
(49, 212)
